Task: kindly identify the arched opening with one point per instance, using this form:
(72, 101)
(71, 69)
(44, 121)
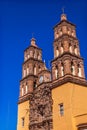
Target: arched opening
(27, 70)
(28, 56)
(79, 71)
(39, 68)
(62, 69)
(75, 50)
(56, 34)
(24, 73)
(25, 57)
(70, 48)
(56, 72)
(73, 33)
(34, 70)
(35, 56)
(69, 31)
(57, 52)
(72, 69)
(39, 56)
(34, 85)
(31, 53)
(60, 31)
(62, 49)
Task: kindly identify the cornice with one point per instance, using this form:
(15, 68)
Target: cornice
(29, 76)
(63, 36)
(68, 78)
(66, 54)
(32, 47)
(24, 98)
(32, 59)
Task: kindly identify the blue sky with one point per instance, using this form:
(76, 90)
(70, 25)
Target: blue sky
(18, 20)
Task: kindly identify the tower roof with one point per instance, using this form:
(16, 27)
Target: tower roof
(63, 18)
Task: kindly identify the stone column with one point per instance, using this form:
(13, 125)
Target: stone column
(59, 69)
(73, 51)
(54, 51)
(78, 50)
(67, 66)
(76, 68)
(53, 72)
(82, 70)
(31, 86)
(59, 46)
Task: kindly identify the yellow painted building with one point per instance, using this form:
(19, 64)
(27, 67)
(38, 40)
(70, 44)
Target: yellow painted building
(23, 116)
(54, 99)
(73, 97)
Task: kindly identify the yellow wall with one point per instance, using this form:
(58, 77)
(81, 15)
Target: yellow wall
(74, 99)
(23, 111)
(80, 104)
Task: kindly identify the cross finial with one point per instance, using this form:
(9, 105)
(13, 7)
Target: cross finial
(33, 35)
(63, 9)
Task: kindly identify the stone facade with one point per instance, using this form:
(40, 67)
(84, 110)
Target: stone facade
(41, 108)
(38, 84)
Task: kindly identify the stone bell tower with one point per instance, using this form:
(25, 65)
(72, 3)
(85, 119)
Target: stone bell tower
(32, 65)
(69, 86)
(67, 60)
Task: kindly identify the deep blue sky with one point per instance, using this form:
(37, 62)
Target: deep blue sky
(18, 20)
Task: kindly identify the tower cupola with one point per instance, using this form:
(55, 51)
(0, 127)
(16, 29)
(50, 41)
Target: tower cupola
(33, 42)
(67, 59)
(63, 17)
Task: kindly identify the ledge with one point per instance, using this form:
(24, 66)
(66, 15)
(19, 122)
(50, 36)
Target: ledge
(69, 78)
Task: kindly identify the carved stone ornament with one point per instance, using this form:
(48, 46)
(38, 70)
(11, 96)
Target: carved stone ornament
(41, 109)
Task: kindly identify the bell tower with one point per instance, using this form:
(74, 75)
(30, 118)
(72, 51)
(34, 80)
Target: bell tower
(67, 61)
(32, 65)
(68, 79)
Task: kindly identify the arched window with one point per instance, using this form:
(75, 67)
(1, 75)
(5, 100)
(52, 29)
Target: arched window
(24, 73)
(27, 70)
(56, 34)
(60, 31)
(72, 69)
(73, 33)
(25, 57)
(34, 70)
(69, 31)
(31, 53)
(39, 56)
(57, 52)
(70, 48)
(28, 56)
(56, 72)
(64, 28)
(62, 69)
(61, 48)
(79, 71)
(39, 68)
(35, 55)
(75, 50)
(35, 85)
